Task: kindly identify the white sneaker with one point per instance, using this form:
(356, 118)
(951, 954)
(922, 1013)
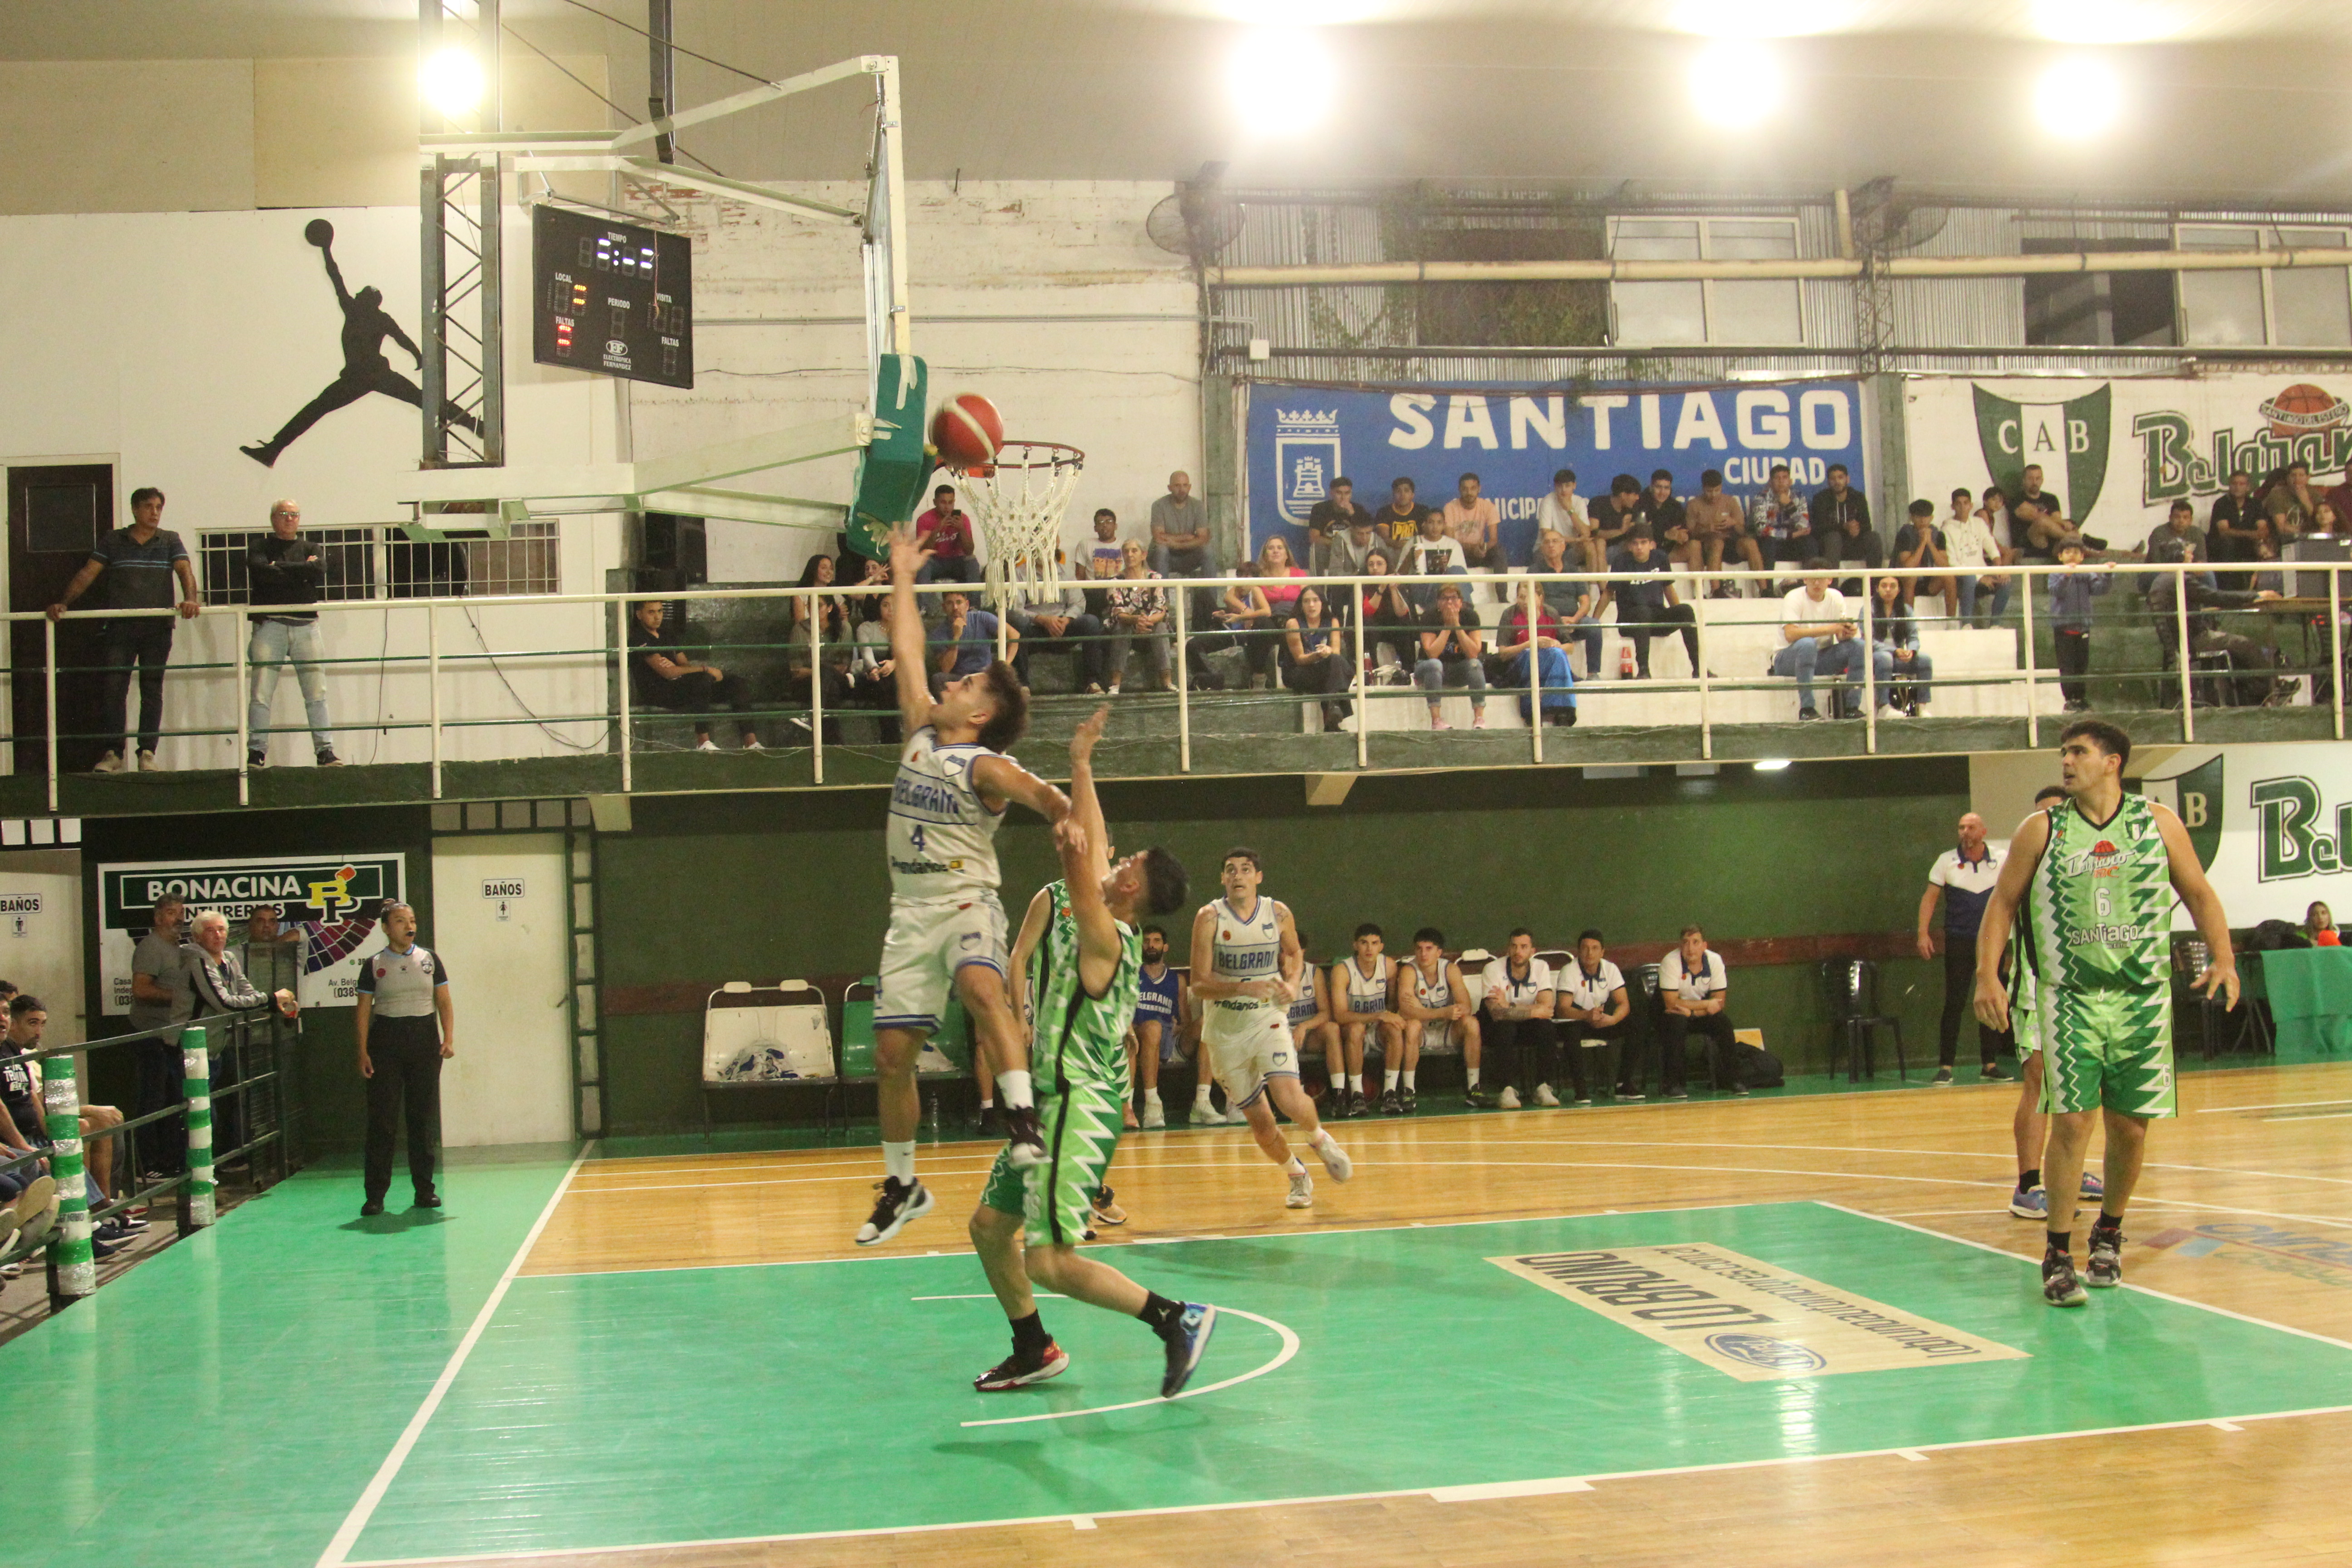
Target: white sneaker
(1207, 1115)
(705, 744)
(1335, 1159)
(1919, 711)
(148, 764)
(1155, 1115)
(751, 743)
(109, 764)
(1886, 712)
(1302, 1191)
(1509, 1100)
(1347, 725)
(1544, 1096)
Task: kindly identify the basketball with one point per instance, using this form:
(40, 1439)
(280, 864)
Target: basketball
(967, 431)
(319, 232)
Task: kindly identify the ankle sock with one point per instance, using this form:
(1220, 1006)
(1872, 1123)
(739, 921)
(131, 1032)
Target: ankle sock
(1408, 1077)
(1473, 1084)
(898, 1160)
(2059, 1244)
(1029, 1336)
(1393, 1075)
(1294, 1166)
(1201, 1094)
(1014, 1086)
(1160, 1312)
(2028, 1179)
(2110, 1223)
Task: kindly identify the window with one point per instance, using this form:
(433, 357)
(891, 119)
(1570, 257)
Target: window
(383, 563)
(2301, 308)
(522, 562)
(2102, 309)
(348, 554)
(1713, 311)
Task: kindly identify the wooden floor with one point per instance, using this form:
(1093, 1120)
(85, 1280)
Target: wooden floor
(2246, 1207)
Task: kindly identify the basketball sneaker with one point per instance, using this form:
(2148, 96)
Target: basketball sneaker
(1186, 1339)
(1106, 1211)
(2061, 1286)
(1544, 1096)
(1480, 1100)
(1408, 1102)
(900, 1201)
(1393, 1103)
(1510, 1098)
(1335, 1159)
(1207, 1115)
(1943, 1079)
(2033, 1203)
(1017, 1371)
(1357, 1105)
(2106, 1267)
(1025, 1143)
(1628, 1097)
(2093, 1187)
(1302, 1191)
(1155, 1116)
(1332, 1105)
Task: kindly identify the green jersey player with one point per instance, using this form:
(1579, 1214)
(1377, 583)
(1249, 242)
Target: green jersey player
(1081, 983)
(2090, 883)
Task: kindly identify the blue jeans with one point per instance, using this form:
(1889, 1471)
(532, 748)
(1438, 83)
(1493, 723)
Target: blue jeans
(1433, 675)
(275, 644)
(1809, 657)
(1918, 674)
(1559, 682)
(950, 569)
(1970, 588)
(1587, 633)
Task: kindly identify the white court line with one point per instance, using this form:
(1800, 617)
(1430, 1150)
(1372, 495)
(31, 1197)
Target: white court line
(2281, 1105)
(1289, 1349)
(2323, 1116)
(861, 1174)
(987, 1296)
(339, 1549)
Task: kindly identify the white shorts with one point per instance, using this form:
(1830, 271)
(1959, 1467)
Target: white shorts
(1438, 1038)
(1243, 1053)
(928, 943)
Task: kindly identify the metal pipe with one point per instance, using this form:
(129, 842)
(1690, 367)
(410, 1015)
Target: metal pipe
(2335, 644)
(1184, 688)
(621, 612)
(2180, 621)
(243, 733)
(1833, 268)
(2033, 713)
(1364, 652)
(433, 683)
(1869, 669)
(1844, 208)
(816, 688)
(660, 78)
(49, 713)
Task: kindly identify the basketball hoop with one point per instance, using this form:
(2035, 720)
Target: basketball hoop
(1017, 504)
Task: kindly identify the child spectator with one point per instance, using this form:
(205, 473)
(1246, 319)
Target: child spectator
(2071, 589)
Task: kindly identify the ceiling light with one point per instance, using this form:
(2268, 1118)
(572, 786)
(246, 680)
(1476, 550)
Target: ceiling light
(2105, 21)
(1735, 86)
(1771, 764)
(451, 82)
(1764, 18)
(1283, 81)
(2078, 97)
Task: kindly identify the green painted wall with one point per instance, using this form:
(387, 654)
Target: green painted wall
(746, 887)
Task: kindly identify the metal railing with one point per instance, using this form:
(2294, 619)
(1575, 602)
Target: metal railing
(616, 723)
(249, 1102)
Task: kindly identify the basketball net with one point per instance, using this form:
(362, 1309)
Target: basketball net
(1017, 504)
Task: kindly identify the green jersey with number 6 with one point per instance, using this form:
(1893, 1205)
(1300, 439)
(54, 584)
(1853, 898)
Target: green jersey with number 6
(2097, 910)
(1080, 1040)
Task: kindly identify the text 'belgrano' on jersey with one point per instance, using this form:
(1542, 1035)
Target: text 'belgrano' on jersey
(943, 838)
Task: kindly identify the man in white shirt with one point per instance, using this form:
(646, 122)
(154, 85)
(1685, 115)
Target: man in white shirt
(1562, 512)
(1816, 632)
(1516, 1033)
(1966, 873)
(1695, 983)
(1969, 547)
(1590, 1009)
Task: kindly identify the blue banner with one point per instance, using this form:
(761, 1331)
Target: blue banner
(1302, 439)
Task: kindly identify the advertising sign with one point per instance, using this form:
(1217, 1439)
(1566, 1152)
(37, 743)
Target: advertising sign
(330, 903)
(2271, 824)
(1301, 438)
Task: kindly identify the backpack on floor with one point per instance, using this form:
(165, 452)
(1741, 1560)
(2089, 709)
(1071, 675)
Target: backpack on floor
(1758, 1068)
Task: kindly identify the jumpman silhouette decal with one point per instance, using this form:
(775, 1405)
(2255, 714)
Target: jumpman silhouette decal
(366, 324)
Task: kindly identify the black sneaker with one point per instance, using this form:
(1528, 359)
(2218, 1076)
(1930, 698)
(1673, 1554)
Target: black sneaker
(1628, 1097)
(1393, 1103)
(1943, 1079)
(1024, 1141)
(1991, 1073)
(1807, 714)
(428, 1200)
(1186, 1338)
(2061, 1286)
(1408, 1102)
(1333, 1105)
(256, 761)
(327, 759)
(103, 1250)
(2105, 1270)
(371, 1208)
(132, 1223)
(1017, 1371)
(900, 1203)
(1356, 1105)
(1480, 1100)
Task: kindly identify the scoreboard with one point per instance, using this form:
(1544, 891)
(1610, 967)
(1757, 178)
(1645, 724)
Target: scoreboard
(611, 296)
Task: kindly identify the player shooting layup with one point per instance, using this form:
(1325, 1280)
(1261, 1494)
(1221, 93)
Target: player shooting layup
(1245, 991)
(1083, 978)
(946, 925)
(2092, 880)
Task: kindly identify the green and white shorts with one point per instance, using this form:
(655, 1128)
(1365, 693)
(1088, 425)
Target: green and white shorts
(2110, 1048)
(1056, 1199)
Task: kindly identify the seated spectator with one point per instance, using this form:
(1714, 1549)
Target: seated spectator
(1106, 557)
(1667, 518)
(1651, 606)
(1391, 627)
(1905, 675)
(2236, 521)
(1158, 1007)
(1573, 604)
(1361, 987)
(1782, 520)
(662, 675)
(946, 531)
(1350, 545)
(2319, 926)
(1431, 555)
(2038, 521)
(1516, 1029)
(2290, 503)
(1517, 639)
(1816, 632)
(1451, 654)
(1279, 577)
(1832, 510)
(24, 1121)
(1475, 526)
(1328, 520)
(1318, 659)
(873, 671)
(1399, 521)
(1180, 532)
(2270, 578)
(1048, 618)
(1589, 1004)
(1920, 544)
(1562, 512)
(964, 642)
(1138, 613)
(2257, 682)
(1438, 1011)
(1718, 526)
(1972, 542)
(2071, 590)
(1614, 519)
(1245, 621)
(1313, 1031)
(220, 987)
(1694, 985)
(2177, 541)
(830, 658)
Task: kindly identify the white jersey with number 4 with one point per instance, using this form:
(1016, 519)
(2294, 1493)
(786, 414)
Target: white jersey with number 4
(942, 838)
(1245, 949)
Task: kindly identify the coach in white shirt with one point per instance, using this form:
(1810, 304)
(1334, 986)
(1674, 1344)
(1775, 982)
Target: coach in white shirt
(1963, 878)
(1518, 1035)
(1695, 983)
(1590, 1009)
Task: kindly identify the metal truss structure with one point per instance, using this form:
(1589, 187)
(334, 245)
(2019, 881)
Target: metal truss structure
(463, 374)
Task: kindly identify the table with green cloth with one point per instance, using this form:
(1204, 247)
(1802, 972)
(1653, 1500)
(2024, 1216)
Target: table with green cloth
(2311, 1001)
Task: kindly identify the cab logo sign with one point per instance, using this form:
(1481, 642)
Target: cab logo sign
(328, 903)
(2067, 440)
(1747, 1319)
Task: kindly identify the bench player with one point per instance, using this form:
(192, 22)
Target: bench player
(1081, 983)
(1244, 989)
(2091, 882)
(947, 928)
(1361, 987)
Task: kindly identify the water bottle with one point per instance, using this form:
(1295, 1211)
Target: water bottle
(931, 1118)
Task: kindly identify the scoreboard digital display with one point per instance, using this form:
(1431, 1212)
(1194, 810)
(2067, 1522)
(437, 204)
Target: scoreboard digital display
(611, 296)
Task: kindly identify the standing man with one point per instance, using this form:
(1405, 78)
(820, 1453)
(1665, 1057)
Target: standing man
(947, 928)
(1967, 874)
(160, 996)
(1696, 983)
(2236, 525)
(284, 569)
(1252, 974)
(407, 1027)
(2030, 1125)
(2091, 882)
(141, 563)
(1179, 540)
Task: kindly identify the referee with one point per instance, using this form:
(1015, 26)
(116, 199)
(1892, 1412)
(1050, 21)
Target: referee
(406, 1015)
(1966, 872)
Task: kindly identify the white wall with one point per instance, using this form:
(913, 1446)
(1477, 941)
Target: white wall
(41, 949)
